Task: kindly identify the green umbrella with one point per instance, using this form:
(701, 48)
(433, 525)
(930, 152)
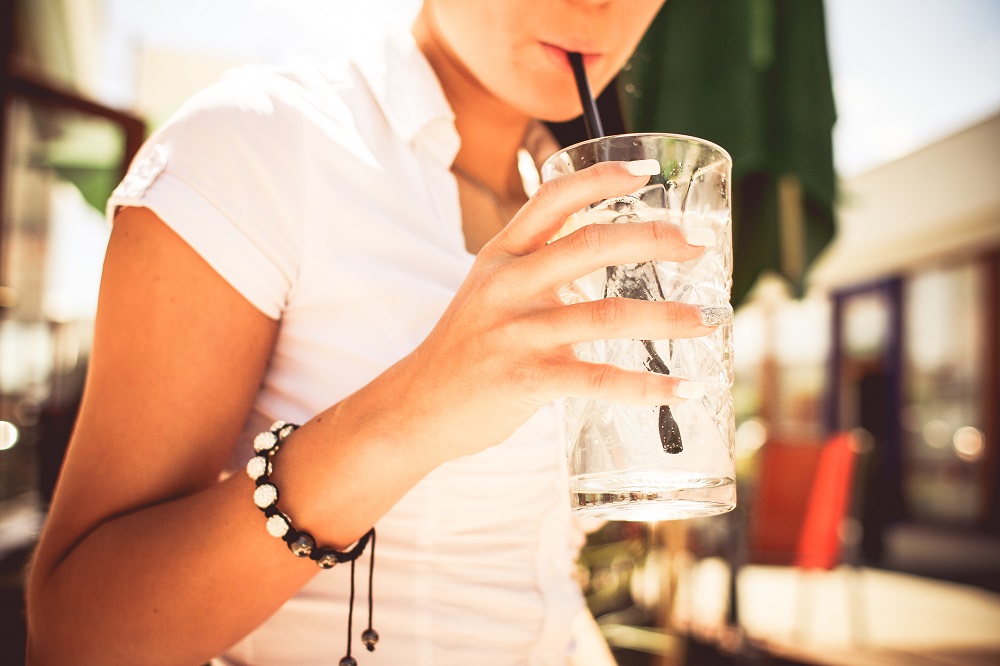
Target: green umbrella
(754, 77)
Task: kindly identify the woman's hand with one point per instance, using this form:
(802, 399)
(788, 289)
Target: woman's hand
(504, 347)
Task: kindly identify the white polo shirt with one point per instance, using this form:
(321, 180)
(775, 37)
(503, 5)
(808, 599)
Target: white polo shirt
(324, 196)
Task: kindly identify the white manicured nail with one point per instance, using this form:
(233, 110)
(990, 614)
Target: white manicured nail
(643, 167)
(699, 236)
(712, 315)
(690, 390)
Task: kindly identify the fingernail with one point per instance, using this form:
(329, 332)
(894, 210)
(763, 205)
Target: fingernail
(690, 390)
(643, 167)
(712, 315)
(699, 236)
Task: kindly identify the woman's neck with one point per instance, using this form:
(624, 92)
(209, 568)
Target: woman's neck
(490, 130)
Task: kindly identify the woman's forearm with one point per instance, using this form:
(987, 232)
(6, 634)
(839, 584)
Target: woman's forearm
(139, 588)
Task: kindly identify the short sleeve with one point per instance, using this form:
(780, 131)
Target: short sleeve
(226, 175)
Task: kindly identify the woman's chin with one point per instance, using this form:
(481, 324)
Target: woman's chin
(560, 117)
(555, 112)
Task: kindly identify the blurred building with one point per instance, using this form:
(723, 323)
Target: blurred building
(898, 335)
(914, 280)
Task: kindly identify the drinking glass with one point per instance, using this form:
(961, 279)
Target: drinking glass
(677, 461)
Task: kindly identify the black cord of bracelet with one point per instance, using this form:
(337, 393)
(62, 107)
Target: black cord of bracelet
(350, 621)
(370, 637)
(302, 543)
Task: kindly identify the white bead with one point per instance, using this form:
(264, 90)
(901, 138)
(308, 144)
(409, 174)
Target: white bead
(277, 425)
(265, 495)
(265, 441)
(285, 432)
(257, 466)
(277, 526)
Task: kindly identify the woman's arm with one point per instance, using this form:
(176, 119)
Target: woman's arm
(141, 544)
(145, 557)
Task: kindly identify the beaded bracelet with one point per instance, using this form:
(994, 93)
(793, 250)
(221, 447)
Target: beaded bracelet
(300, 542)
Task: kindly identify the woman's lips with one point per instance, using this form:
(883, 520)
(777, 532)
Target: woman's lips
(558, 55)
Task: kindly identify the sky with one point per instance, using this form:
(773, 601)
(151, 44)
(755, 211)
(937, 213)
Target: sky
(906, 72)
(909, 72)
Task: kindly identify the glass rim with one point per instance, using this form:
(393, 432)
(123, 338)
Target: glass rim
(667, 135)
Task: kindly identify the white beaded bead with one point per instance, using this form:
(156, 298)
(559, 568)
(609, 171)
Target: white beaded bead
(257, 466)
(265, 495)
(265, 441)
(277, 526)
(285, 431)
(277, 425)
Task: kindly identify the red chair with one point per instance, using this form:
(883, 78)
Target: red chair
(820, 543)
(802, 515)
(778, 505)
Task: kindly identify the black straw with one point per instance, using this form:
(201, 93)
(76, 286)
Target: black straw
(591, 120)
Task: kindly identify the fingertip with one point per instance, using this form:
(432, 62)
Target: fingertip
(699, 236)
(648, 167)
(716, 315)
(689, 390)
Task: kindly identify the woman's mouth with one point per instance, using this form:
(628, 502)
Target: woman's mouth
(558, 55)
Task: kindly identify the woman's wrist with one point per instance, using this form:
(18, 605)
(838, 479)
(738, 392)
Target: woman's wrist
(341, 471)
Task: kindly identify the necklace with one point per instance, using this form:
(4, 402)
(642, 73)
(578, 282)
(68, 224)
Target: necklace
(498, 205)
(529, 182)
(475, 225)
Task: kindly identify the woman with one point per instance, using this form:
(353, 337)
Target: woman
(335, 248)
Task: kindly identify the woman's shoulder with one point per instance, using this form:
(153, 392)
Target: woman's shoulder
(229, 171)
(369, 96)
(252, 100)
